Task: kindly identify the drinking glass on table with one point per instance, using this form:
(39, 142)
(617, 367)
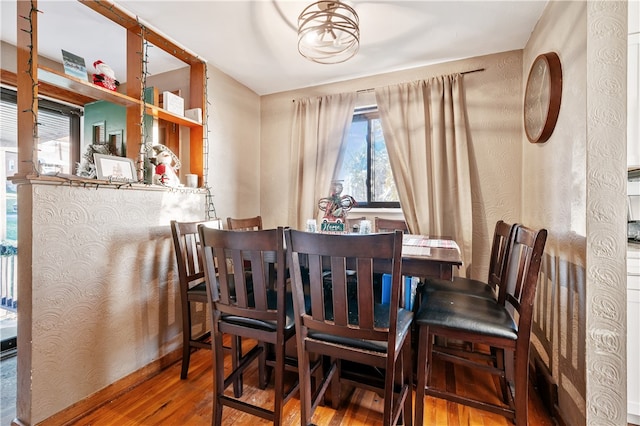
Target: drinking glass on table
(365, 226)
(312, 226)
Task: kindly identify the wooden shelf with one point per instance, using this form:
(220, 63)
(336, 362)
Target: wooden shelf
(171, 117)
(96, 93)
(66, 179)
(57, 84)
(84, 87)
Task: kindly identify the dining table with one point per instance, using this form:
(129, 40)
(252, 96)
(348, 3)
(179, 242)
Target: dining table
(430, 257)
(423, 256)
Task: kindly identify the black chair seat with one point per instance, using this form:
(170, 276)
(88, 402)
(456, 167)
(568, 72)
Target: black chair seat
(500, 250)
(198, 290)
(461, 285)
(266, 325)
(468, 313)
(381, 319)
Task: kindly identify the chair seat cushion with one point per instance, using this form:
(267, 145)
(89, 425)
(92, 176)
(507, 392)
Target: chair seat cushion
(272, 303)
(461, 285)
(466, 313)
(381, 318)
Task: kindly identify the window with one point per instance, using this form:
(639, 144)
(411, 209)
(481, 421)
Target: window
(365, 169)
(58, 133)
(58, 148)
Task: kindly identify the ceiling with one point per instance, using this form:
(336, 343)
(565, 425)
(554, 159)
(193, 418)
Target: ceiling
(255, 42)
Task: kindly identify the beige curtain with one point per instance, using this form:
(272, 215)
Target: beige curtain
(319, 126)
(425, 131)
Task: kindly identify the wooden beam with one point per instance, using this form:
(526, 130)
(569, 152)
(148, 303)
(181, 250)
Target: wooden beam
(134, 90)
(198, 84)
(27, 88)
(131, 22)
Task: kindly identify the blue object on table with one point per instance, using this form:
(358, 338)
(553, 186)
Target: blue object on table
(409, 293)
(410, 285)
(386, 289)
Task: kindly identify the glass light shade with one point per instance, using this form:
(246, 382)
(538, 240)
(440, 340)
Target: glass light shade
(328, 32)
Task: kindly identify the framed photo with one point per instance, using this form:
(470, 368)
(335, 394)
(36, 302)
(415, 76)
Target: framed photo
(114, 168)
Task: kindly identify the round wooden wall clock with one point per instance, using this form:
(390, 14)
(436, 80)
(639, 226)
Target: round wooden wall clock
(542, 97)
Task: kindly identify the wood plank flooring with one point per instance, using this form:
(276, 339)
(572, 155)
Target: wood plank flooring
(167, 400)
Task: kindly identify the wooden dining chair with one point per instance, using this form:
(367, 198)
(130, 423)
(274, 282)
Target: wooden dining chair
(247, 305)
(245, 224)
(496, 330)
(500, 250)
(389, 225)
(353, 223)
(350, 328)
(186, 245)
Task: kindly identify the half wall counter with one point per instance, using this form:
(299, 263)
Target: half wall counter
(98, 285)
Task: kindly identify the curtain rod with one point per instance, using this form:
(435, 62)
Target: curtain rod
(463, 72)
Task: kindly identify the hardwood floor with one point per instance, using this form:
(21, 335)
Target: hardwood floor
(167, 400)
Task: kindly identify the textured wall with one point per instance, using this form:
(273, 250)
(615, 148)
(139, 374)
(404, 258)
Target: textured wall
(606, 220)
(105, 300)
(574, 186)
(234, 153)
(554, 175)
(493, 98)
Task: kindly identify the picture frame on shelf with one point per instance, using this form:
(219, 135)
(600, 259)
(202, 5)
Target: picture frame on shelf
(74, 65)
(114, 168)
(99, 132)
(115, 139)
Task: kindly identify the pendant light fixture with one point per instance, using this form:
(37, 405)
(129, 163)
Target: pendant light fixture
(328, 32)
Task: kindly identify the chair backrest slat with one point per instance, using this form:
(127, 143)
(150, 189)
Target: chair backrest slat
(339, 291)
(521, 275)
(365, 283)
(259, 277)
(500, 250)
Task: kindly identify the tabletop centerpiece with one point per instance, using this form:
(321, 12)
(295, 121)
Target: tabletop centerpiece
(335, 208)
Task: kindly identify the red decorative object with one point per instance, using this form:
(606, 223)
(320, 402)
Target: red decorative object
(104, 76)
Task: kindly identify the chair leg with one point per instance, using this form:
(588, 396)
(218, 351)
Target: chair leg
(304, 377)
(186, 340)
(421, 372)
(407, 373)
(263, 376)
(236, 354)
(218, 378)
(279, 384)
(521, 390)
(390, 379)
(504, 382)
(335, 384)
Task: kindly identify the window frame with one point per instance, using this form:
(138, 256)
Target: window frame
(369, 114)
(72, 112)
